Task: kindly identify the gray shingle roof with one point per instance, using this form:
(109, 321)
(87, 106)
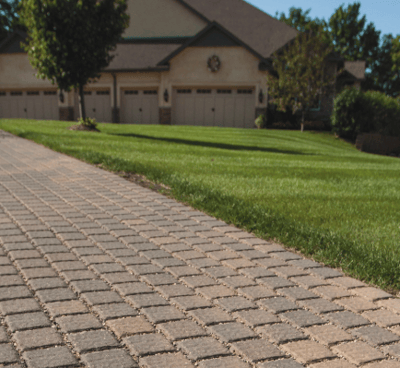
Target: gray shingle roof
(259, 30)
(140, 56)
(356, 68)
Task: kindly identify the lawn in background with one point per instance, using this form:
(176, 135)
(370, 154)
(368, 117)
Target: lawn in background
(311, 191)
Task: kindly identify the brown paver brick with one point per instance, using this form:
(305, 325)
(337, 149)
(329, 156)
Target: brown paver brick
(27, 321)
(256, 317)
(256, 292)
(202, 348)
(307, 351)
(180, 330)
(129, 326)
(116, 358)
(320, 305)
(281, 333)
(140, 345)
(358, 352)
(65, 308)
(309, 282)
(50, 358)
(39, 338)
(212, 292)
(77, 323)
(331, 292)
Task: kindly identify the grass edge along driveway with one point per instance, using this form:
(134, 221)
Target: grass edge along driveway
(308, 191)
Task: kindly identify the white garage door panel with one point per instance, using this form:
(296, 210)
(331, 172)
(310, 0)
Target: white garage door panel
(41, 105)
(139, 107)
(98, 105)
(214, 107)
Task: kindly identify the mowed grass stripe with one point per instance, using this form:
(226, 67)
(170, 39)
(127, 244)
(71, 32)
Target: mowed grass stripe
(308, 190)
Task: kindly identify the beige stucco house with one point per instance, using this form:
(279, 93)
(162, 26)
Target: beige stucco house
(188, 62)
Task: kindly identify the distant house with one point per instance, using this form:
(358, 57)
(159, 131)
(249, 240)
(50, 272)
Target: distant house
(181, 62)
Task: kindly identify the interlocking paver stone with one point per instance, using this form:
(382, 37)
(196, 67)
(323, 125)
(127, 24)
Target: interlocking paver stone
(358, 352)
(146, 300)
(225, 362)
(210, 316)
(65, 308)
(111, 311)
(148, 344)
(347, 319)
(77, 323)
(116, 358)
(92, 340)
(256, 350)
(17, 306)
(328, 334)
(202, 348)
(376, 335)
(38, 338)
(383, 318)
(256, 317)
(220, 271)
(281, 333)
(229, 332)
(284, 363)
(320, 306)
(163, 314)
(166, 361)
(308, 351)
(278, 305)
(129, 326)
(14, 292)
(8, 354)
(302, 318)
(55, 295)
(50, 358)
(191, 302)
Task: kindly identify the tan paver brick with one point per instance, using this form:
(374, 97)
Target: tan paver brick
(358, 352)
(129, 326)
(371, 293)
(328, 334)
(331, 292)
(391, 304)
(383, 317)
(356, 304)
(308, 351)
(384, 364)
(333, 364)
(347, 282)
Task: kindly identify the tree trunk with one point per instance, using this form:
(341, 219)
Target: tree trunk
(302, 122)
(82, 111)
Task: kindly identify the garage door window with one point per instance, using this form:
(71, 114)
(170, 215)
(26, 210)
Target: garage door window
(33, 93)
(184, 91)
(131, 92)
(103, 93)
(224, 91)
(16, 93)
(204, 91)
(2, 94)
(245, 91)
(149, 92)
(50, 93)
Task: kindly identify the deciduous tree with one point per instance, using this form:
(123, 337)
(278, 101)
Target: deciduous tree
(301, 73)
(69, 41)
(8, 17)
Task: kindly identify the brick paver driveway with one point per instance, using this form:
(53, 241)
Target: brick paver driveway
(96, 271)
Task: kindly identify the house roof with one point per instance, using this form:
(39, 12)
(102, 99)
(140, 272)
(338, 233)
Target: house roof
(140, 56)
(355, 68)
(258, 30)
(213, 35)
(12, 43)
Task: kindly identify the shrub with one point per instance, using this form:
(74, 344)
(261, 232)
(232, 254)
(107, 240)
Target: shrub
(358, 112)
(261, 122)
(88, 123)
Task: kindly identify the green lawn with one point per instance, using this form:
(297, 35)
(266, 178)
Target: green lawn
(308, 190)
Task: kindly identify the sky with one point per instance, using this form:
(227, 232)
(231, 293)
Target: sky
(385, 14)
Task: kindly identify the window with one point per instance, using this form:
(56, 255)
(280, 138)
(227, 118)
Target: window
(245, 91)
(2, 93)
(150, 92)
(204, 91)
(184, 91)
(50, 93)
(33, 93)
(224, 91)
(103, 93)
(131, 92)
(16, 93)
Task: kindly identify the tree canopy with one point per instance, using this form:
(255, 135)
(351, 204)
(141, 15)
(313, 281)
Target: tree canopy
(69, 41)
(302, 73)
(8, 17)
(352, 37)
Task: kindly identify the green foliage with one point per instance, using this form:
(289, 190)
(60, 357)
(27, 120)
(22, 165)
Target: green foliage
(261, 122)
(309, 191)
(8, 17)
(365, 112)
(351, 36)
(69, 41)
(90, 123)
(302, 73)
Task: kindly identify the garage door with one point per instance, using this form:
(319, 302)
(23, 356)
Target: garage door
(226, 107)
(97, 105)
(139, 107)
(41, 105)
